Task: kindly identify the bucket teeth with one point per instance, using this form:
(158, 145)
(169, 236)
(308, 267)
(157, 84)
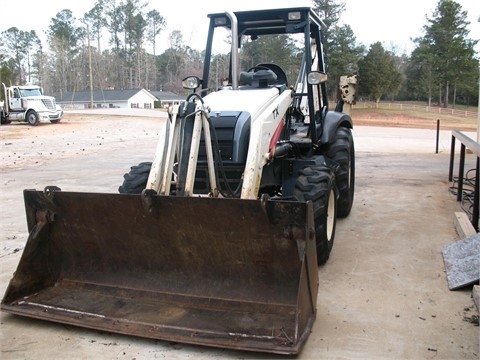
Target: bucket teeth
(147, 200)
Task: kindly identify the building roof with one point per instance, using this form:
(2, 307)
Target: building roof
(167, 96)
(100, 96)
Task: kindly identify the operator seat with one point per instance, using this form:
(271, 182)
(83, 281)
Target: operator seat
(281, 76)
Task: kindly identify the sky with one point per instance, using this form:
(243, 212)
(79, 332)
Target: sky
(392, 22)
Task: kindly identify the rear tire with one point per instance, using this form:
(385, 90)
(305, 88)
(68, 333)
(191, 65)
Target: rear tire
(317, 183)
(136, 180)
(32, 118)
(342, 151)
(3, 118)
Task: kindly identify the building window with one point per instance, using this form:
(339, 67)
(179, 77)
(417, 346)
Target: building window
(134, 105)
(147, 105)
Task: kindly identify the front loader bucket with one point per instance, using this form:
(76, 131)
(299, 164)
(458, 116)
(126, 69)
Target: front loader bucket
(228, 273)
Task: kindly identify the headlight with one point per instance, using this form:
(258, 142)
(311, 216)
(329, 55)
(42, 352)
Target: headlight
(191, 82)
(316, 77)
(220, 21)
(294, 15)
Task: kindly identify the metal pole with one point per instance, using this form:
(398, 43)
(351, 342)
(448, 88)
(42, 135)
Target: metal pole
(461, 169)
(234, 56)
(452, 155)
(438, 136)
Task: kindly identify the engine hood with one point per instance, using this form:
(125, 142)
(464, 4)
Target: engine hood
(38, 97)
(253, 101)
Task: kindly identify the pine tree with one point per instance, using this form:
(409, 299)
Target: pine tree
(447, 49)
(341, 50)
(378, 73)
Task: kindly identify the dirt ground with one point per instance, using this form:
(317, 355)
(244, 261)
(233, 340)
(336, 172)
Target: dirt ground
(382, 295)
(373, 118)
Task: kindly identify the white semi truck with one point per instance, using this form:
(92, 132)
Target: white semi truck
(27, 104)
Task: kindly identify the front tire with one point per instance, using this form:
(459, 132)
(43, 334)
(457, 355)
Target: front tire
(342, 151)
(317, 184)
(136, 180)
(32, 118)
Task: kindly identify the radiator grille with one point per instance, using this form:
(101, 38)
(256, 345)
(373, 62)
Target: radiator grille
(49, 104)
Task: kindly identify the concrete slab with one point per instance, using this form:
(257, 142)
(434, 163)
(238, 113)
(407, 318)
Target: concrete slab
(462, 262)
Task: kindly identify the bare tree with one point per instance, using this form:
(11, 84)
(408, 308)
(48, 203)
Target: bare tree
(65, 39)
(95, 18)
(156, 23)
(20, 45)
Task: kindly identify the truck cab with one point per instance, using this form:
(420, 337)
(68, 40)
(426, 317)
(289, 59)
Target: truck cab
(27, 103)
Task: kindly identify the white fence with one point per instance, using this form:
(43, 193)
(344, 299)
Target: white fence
(428, 109)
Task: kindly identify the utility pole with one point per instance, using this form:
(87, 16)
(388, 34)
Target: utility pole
(90, 66)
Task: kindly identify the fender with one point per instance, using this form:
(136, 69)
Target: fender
(333, 120)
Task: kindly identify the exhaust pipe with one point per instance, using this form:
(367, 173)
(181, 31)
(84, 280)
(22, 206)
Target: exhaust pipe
(234, 51)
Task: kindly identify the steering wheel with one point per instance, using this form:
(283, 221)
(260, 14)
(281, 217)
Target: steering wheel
(262, 75)
(257, 68)
(277, 70)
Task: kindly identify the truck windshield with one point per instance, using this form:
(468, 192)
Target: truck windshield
(30, 92)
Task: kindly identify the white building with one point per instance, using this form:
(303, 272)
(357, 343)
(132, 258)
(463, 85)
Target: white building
(167, 98)
(131, 98)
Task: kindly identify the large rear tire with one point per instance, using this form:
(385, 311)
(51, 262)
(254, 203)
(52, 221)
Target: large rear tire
(136, 180)
(3, 118)
(342, 151)
(317, 183)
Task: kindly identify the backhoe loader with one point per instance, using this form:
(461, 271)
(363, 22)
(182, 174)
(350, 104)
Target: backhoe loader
(215, 239)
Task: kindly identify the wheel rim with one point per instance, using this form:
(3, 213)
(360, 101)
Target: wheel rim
(330, 215)
(32, 119)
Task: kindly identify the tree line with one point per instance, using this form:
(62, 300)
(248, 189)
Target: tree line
(442, 68)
